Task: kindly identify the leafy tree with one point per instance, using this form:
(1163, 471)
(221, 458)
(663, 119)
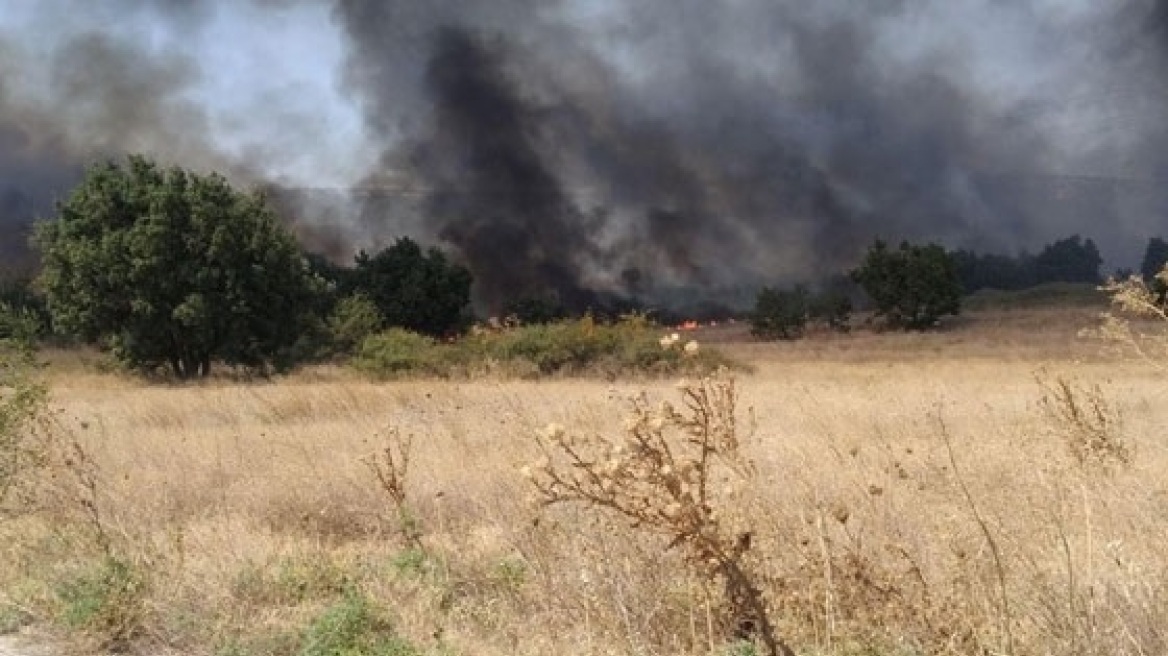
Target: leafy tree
(1155, 257)
(989, 271)
(1073, 259)
(415, 290)
(353, 319)
(913, 286)
(22, 311)
(780, 313)
(22, 402)
(833, 307)
(173, 268)
(535, 310)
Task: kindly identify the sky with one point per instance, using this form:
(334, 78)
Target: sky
(261, 72)
(615, 146)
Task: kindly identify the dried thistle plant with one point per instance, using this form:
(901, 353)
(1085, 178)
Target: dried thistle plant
(390, 466)
(1090, 425)
(664, 475)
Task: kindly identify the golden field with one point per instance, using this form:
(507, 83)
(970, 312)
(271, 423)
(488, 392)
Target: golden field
(913, 494)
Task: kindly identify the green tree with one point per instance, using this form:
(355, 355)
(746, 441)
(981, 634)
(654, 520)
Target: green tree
(22, 311)
(352, 320)
(833, 308)
(22, 402)
(912, 286)
(1073, 259)
(534, 310)
(1155, 257)
(415, 290)
(173, 268)
(780, 313)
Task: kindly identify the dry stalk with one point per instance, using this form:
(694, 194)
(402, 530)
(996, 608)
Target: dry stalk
(999, 565)
(661, 477)
(87, 475)
(390, 466)
(1135, 298)
(1089, 424)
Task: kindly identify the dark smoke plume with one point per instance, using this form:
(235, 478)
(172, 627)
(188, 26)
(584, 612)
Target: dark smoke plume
(767, 142)
(669, 150)
(497, 201)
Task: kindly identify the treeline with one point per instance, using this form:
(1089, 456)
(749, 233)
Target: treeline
(170, 269)
(1073, 259)
(914, 286)
(175, 272)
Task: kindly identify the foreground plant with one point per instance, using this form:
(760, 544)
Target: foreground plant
(23, 439)
(390, 466)
(1089, 424)
(662, 476)
(1138, 299)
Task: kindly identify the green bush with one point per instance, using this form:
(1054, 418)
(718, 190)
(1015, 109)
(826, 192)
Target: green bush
(414, 289)
(559, 347)
(833, 308)
(353, 627)
(913, 286)
(398, 351)
(578, 347)
(20, 323)
(354, 319)
(22, 401)
(780, 313)
(104, 602)
(289, 581)
(533, 310)
(171, 268)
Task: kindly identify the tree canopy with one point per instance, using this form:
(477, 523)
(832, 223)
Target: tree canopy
(414, 289)
(169, 267)
(912, 286)
(1155, 257)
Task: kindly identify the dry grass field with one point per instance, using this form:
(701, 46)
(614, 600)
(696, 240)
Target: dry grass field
(1000, 487)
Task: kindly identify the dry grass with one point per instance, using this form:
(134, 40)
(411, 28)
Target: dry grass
(244, 511)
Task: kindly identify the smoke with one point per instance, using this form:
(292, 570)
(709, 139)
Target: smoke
(662, 145)
(81, 83)
(662, 149)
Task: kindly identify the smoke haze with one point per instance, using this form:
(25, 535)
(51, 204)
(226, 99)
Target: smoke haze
(609, 148)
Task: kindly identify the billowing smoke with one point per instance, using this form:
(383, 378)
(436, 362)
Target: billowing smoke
(653, 146)
(662, 149)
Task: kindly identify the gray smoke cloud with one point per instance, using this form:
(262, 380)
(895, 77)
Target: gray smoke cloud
(659, 149)
(652, 145)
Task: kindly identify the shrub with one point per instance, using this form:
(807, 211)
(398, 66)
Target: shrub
(22, 403)
(578, 347)
(354, 318)
(415, 289)
(23, 314)
(912, 287)
(172, 268)
(533, 310)
(104, 602)
(353, 627)
(565, 346)
(833, 308)
(664, 476)
(20, 323)
(780, 314)
(398, 351)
